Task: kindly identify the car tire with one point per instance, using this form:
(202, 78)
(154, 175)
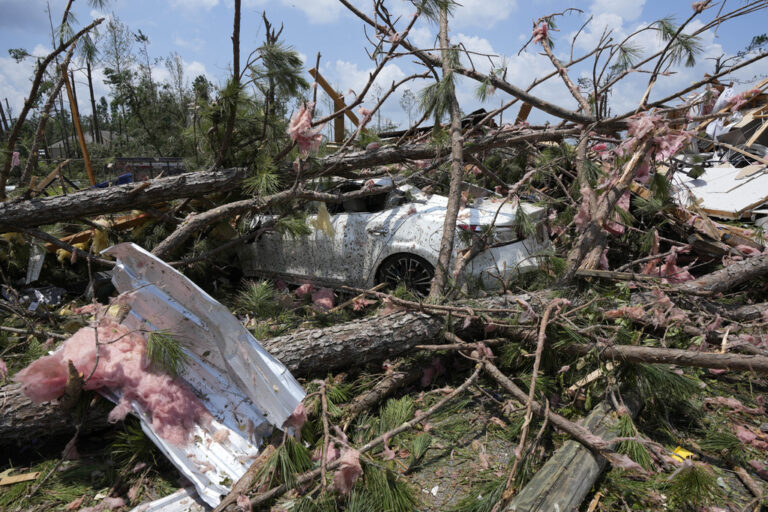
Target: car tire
(414, 271)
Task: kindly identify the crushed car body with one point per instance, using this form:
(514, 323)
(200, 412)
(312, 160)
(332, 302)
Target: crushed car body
(394, 236)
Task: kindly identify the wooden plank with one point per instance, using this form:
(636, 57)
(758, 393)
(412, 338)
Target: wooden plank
(338, 122)
(525, 110)
(730, 235)
(78, 127)
(26, 477)
(745, 153)
(569, 474)
(757, 133)
(333, 94)
(35, 189)
(704, 124)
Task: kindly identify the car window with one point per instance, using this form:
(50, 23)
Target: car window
(367, 204)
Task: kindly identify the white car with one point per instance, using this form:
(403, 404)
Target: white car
(395, 237)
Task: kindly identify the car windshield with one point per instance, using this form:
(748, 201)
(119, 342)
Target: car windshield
(368, 204)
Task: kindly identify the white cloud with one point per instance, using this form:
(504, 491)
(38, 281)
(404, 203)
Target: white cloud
(349, 76)
(317, 11)
(482, 13)
(195, 68)
(95, 14)
(191, 70)
(15, 81)
(193, 5)
(345, 75)
(590, 36)
(478, 48)
(468, 13)
(422, 37)
(194, 43)
(629, 10)
(40, 51)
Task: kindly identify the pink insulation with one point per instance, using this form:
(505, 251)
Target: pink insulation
(540, 33)
(323, 299)
(349, 471)
(122, 367)
(301, 131)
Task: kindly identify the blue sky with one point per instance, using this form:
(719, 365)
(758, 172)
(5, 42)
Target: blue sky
(199, 31)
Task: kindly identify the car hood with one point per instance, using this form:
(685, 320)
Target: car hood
(482, 211)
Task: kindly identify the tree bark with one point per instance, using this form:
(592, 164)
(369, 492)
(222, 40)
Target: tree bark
(729, 277)
(40, 132)
(3, 118)
(95, 131)
(457, 171)
(352, 344)
(222, 157)
(48, 210)
(587, 251)
(24, 422)
(652, 355)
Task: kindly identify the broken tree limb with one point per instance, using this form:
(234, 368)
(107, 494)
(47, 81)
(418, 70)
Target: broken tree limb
(29, 102)
(340, 165)
(385, 387)
(309, 476)
(653, 355)
(49, 210)
(369, 340)
(41, 211)
(580, 433)
(729, 277)
(246, 481)
(569, 473)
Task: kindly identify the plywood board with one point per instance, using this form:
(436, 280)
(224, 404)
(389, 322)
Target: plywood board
(724, 191)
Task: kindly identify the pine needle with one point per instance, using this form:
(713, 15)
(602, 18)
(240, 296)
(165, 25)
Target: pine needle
(395, 412)
(634, 450)
(164, 351)
(260, 299)
(693, 486)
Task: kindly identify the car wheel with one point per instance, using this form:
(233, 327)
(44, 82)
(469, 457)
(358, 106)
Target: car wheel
(414, 271)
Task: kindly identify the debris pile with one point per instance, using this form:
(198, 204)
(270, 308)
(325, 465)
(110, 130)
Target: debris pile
(474, 315)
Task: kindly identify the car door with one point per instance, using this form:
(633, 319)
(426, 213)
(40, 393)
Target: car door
(275, 253)
(359, 237)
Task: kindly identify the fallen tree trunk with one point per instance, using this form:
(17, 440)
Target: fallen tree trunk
(24, 422)
(319, 351)
(305, 353)
(729, 277)
(653, 355)
(48, 210)
(313, 352)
